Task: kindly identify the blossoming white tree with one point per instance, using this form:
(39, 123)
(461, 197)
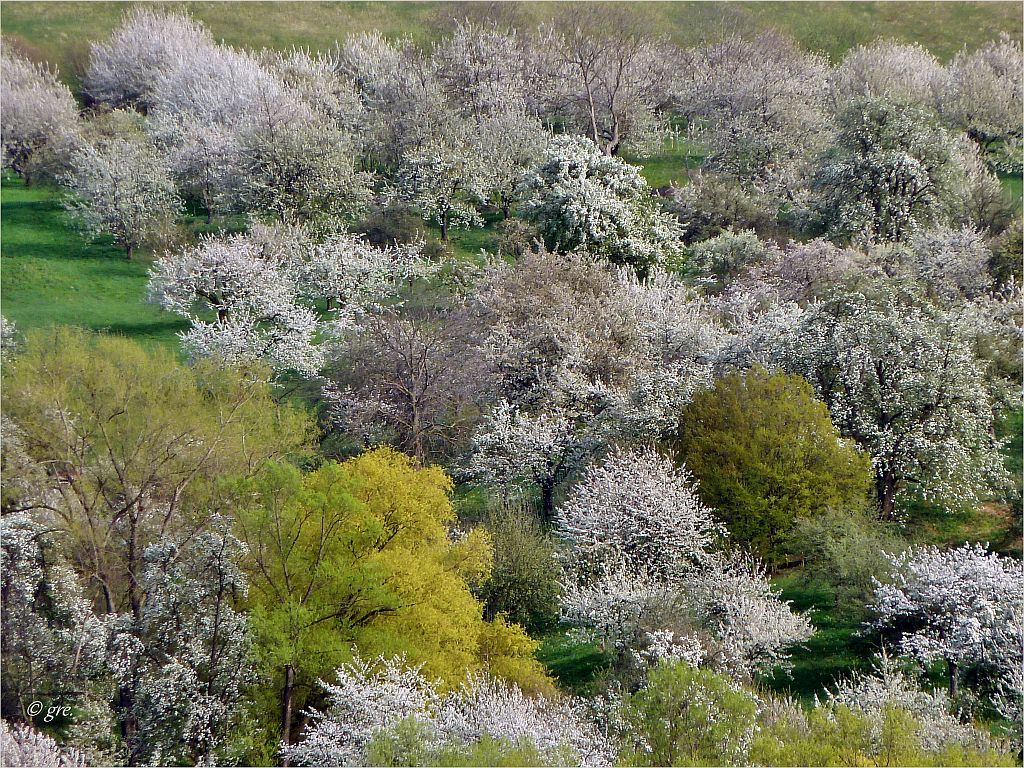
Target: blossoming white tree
(445, 179)
(581, 198)
(124, 69)
(887, 69)
(370, 700)
(964, 606)
(887, 686)
(183, 661)
(122, 187)
(22, 745)
(583, 354)
(255, 297)
(642, 573)
(39, 115)
(901, 378)
(983, 94)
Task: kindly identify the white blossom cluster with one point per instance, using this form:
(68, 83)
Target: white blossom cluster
(889, 687)
(642, 574)
(964, 606)
(900, 376)
(580, 198)
(37, 113)
(185, 658)
(21, 745)
(370, 699)
(584, 355)
(262, 285)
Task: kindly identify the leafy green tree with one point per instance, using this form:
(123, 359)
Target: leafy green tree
(524, 582)
(845, 549)
(688, 716)
(359, 554)
(134, 443)
(838, 735)
(766, 453)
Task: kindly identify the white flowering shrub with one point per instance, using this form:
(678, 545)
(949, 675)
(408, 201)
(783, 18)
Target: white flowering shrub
(904, 72)
(901, 377)
(38, 115)
(377, 700)
(888, 686)
(446, 179)
(54, 646)
(894, 170)
(760, 106)
(367, 698)
(752, 627)
(254, 296)
(637, 509)
(983, 93)
(580, 198)
(641, 574)
(122, 187)
(21, 745)
(964, 606)
(184, 661)
(583, 354)
(125, 69)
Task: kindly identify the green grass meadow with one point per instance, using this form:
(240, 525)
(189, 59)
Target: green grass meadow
(51, 275)
(60, 32)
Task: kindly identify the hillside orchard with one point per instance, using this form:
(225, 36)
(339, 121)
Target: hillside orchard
(382, 473)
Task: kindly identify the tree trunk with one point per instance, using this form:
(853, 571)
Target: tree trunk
(444, 227)
(954, 686)
(547, 501)
(127, 723)
(885, 489)
(286, 708)
(129, 250)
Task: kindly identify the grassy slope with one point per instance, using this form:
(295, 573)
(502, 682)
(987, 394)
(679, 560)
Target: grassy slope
(50, 274)
(59, 32)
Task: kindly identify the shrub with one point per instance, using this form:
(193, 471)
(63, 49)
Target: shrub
(766, 454)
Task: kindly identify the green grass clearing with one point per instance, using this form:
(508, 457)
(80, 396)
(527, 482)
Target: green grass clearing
(51, 275)
(576, 666)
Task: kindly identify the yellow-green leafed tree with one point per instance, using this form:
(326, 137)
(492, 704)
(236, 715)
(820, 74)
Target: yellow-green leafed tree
(360, 554)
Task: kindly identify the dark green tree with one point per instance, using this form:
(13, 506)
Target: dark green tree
(766, 454)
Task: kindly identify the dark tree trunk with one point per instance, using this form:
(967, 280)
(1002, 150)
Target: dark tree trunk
(885, 489)
(954, 683)
(547, 501)
(129, 250)
(127, 723)
(286, 708)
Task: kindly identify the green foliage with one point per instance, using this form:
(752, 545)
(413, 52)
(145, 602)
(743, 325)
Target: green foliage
(838, 736)
(766, 454)
(140, 440)
(688, 716)
(1007, 261)
(844, 549)
(524, 582)
(408, 744)
(359, 554)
